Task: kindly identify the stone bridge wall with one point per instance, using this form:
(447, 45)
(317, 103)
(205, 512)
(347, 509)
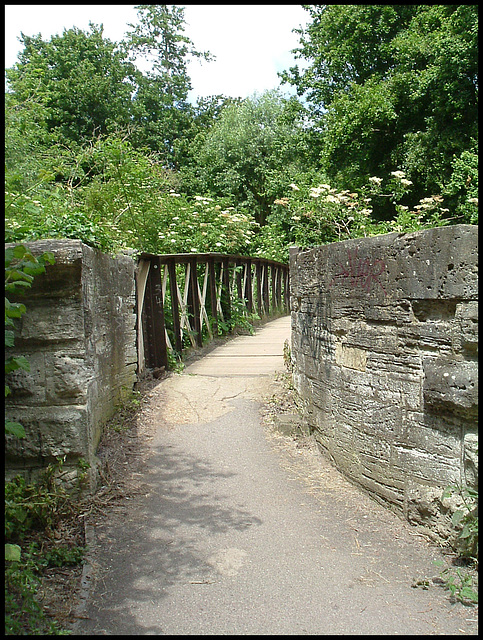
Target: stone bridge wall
(79, 336)
(384, 345)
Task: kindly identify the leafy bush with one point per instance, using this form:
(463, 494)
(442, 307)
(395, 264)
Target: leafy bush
(34, 505)
(113, 197)
(23, 614)
(32, 513)
(310, 216)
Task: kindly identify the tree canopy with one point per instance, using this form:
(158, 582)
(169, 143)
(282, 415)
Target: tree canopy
(252, 151)
(392, 86)
(382, 135)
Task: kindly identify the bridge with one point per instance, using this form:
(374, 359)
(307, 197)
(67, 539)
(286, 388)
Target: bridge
(221, 525)
(185, 300)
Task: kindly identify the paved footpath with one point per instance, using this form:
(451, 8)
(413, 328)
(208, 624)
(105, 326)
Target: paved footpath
(239, 531)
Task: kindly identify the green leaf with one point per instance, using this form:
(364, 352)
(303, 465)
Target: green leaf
(457, 517)
(469, 594)
(12, 552)
(14, 253)
(18, 275)
(12, 287)
(15, 309)
(15, 429)
(48, 256)
(17, 362)
(466, 533)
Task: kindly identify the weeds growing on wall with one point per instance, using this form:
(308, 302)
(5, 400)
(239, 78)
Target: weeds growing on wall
(460, 579)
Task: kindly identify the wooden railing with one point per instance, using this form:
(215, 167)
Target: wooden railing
(185, 299)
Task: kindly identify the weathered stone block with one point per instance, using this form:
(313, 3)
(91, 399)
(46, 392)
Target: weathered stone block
(67, 379)
(52, 432)
(41, 325)
(28, 387)
(350, 357)
(470, 460)
(450, 384)
(465, 333)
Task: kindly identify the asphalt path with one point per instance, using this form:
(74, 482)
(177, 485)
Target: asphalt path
(240, 530)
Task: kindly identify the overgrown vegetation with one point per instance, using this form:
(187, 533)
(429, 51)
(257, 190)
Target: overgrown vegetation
(460, 578)
(36, 515)
(98, 150)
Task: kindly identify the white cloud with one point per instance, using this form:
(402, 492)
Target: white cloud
(251, 42)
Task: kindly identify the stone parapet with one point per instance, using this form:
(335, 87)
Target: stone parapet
(79, 336)
(384, 344)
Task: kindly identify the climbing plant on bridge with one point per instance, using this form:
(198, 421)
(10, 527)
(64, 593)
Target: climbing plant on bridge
(20, 268)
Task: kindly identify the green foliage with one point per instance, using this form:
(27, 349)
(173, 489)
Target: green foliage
(239, 320)
(83, 85)
(125, 200)
(64, 556)
(461, 583)
(100, 151)
(252, 150)
(391, 85)
(461, 586)
(125, 412)
(465, 520)
(160, 109)
(23, 613)
(32, 512)
(81, 78)
(310, 216)
(38, 506)
(462, 188)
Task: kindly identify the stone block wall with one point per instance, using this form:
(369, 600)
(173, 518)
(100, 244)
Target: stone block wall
(79, 335)
(384, 344)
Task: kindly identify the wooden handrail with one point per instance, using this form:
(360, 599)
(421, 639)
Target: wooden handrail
(222, 280)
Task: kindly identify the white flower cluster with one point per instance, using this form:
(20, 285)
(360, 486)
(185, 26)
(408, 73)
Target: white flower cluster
(401, 176)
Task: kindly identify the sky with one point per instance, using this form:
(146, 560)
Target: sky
(251, 42)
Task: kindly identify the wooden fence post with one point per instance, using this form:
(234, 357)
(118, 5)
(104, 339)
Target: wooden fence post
(173, 288)
(153, 301)
(248, 290)
(225, 289)
(194, 302)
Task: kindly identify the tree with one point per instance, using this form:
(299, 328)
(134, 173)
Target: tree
(89, 86)
(204, 114)
(252, 150)
(392, 86)
(82, 80)
(160, 103)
